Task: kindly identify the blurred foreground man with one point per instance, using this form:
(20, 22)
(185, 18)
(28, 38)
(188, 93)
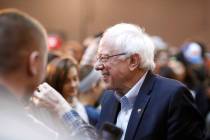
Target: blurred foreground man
(23, 55)
(22, 63)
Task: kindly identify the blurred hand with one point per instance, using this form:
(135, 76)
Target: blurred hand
(48, 97)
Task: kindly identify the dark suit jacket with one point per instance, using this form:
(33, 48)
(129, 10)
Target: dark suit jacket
(164, 110)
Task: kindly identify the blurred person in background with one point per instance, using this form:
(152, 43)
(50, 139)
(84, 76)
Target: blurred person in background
(161, 56)
(89, 56)
(51, 56)
(195, 77)
(161, 59)
(62, 75)
(167, 72)
(73, 48)
(90, 89)
(178, 69)
(207, 62)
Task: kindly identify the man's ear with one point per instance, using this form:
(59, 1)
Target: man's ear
(135, 61)
(33, 63)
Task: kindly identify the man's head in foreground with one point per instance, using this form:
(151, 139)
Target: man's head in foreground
(23, 50)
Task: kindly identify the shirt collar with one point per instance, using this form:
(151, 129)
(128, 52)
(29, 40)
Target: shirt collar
(129, 98)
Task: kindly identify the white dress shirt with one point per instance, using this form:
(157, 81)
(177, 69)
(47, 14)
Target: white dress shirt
(127, 102)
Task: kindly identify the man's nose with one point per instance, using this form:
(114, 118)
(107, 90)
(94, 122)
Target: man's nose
(99, 66)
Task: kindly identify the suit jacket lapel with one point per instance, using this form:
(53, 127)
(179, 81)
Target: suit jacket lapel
(111, 107)
(140, 105)
(114, 110)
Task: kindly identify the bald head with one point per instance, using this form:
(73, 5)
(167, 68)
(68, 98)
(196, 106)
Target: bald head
(19, 35)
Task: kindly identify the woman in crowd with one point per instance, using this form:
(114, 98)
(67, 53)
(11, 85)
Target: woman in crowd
(62, 75)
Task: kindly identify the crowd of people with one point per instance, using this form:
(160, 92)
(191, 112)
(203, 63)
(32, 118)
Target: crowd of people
(122, 84)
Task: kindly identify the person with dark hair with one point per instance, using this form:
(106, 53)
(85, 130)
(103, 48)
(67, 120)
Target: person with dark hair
(62, 75)
(57, 75)
(191, 55)
(167, 72)
(51, 56)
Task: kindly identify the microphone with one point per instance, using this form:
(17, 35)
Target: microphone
(109, 131)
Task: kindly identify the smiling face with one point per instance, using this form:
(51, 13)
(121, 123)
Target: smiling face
(115, 71)
(125, 53)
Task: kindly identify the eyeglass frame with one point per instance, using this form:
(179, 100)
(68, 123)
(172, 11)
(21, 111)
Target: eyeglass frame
(107, 57)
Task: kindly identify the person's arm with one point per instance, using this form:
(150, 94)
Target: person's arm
(79, 127)
(48, 97)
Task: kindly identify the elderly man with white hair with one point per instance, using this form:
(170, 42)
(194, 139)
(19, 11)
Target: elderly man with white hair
(144, 105)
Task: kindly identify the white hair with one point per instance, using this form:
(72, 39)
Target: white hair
(131, 39)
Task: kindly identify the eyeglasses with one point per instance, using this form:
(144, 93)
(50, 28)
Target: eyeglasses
(104, 59)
